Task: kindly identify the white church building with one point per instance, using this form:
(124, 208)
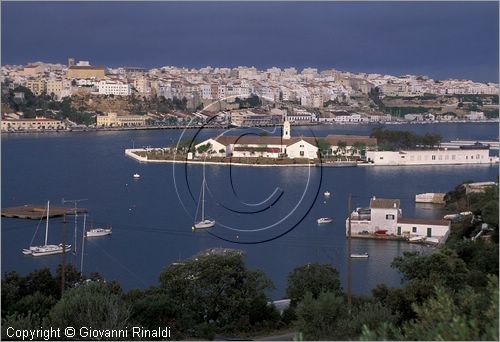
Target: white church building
(273, 146)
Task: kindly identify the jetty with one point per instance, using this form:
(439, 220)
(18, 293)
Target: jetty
(37, 211)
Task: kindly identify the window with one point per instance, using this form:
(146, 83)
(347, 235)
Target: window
(452, 157)
(433, 157)
(381, 157)
(413, 229)
(440, 157)
(477, 156)
(301, 153)
(389, 217)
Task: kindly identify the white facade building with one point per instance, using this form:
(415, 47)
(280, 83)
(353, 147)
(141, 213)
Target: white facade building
(114, 88)
(431, 157)
(384, 217)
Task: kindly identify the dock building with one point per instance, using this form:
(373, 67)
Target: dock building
(385, 215)
(445, 156)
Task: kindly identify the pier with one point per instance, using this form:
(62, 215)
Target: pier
(37, 211)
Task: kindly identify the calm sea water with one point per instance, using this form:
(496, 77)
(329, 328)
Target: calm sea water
(152, 217)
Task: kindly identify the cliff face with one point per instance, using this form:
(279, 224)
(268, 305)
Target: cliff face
(117, 104)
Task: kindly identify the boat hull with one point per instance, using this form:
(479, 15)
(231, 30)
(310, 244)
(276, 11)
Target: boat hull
(324, 220)
(204, 224)
(98, 232)
(359, 256)
(49, 250)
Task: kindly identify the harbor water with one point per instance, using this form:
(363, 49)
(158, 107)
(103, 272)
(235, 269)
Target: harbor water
(269, 213)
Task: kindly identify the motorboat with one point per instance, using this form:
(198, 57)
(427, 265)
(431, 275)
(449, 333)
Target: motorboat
(417, 238)
(322, 220)
(137, 176)
(359, 256)
(98, 232)
(451, 216)
(432, 240)
(327, 193)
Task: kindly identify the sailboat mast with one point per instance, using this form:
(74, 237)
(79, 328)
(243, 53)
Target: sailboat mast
(83, 243)
(203, 200)
(47, 224)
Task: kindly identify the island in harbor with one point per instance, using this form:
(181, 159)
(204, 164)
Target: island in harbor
(332, 150)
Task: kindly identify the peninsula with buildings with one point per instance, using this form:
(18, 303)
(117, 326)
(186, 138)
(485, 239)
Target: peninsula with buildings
(332, 150)
(79, 95)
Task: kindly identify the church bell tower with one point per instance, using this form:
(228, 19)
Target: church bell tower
(286, 128)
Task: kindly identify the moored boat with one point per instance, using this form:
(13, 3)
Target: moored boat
(324, 220)
(46, 249)
(432, 240)
(451, 216)
(327, 193)
(98, 232)
(204, 222)
(417, 238)
(137, 176)
(359, 256)
(50, 249)
(381, 232)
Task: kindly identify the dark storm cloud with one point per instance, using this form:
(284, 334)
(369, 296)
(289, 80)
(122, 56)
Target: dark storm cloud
(441, 39)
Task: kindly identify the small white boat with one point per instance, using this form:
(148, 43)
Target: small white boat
(322, 220)
(466, 213)
(432, 240)
(204, 222)
(451, 216)
(327, 193)
(417, 238)
(98, 232)
(137, 176)
(359, 256)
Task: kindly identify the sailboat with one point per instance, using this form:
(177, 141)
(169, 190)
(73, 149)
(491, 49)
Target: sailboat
(204, 223)
(46, 249)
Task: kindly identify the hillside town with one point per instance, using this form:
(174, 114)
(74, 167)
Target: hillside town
(43, 96)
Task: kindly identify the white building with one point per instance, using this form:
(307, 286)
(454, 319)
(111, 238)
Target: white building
(384, 217)
(37, 124)
(431, 157)
(114, 88)
(276, 146)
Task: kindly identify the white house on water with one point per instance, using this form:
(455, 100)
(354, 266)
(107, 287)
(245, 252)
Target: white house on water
(386, 215)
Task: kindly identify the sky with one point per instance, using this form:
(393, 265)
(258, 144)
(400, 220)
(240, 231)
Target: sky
(439, 39)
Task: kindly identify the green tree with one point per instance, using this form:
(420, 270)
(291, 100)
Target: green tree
(90, 305)
(319, 318)
(217, 290)
(323, 147)
(204, 148)
(312, 278)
